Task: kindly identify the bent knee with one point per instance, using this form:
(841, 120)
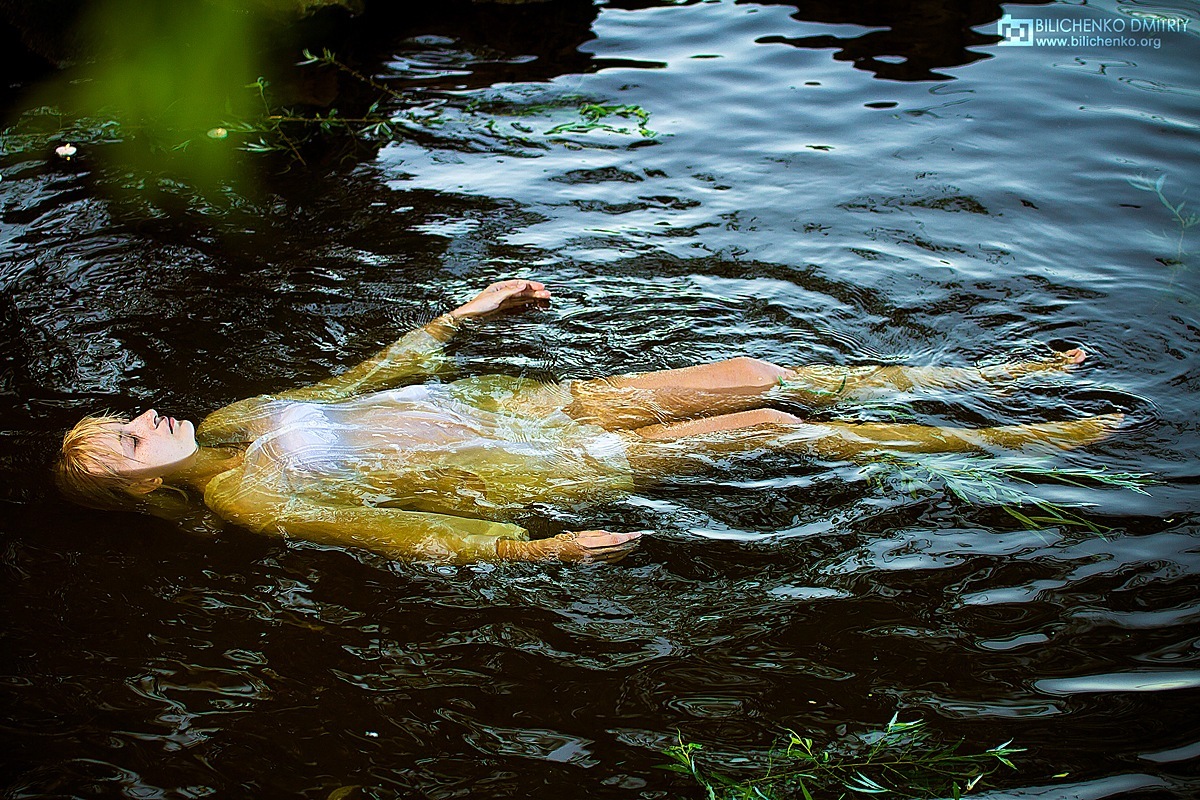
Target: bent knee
(754, 371)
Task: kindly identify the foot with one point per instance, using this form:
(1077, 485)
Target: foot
(1059, 362)
(583, 546)
(1073, 356)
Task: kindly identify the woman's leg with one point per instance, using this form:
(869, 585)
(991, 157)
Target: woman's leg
(740, 384)
(742, 420)
(647, 398)
(825, 385)
(688, 447)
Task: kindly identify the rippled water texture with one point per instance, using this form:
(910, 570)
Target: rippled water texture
(825, 183)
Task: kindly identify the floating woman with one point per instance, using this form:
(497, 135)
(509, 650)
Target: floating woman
(438, 470)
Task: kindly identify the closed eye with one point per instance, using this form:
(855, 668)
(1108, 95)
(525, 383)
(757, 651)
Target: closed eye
(131, 438)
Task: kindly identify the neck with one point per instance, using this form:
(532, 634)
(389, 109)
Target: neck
(207, 464)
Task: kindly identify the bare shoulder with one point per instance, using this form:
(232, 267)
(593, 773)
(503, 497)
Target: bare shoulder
(242, 421)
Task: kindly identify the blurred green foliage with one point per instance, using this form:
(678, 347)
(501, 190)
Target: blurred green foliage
(172, 98)
(160, 72)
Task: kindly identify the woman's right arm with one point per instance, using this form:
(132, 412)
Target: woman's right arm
(392, 532)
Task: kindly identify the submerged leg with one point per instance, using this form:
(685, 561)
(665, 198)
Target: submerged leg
(684, 448)
(739, 421)
(572, 546)
(740, 384)
(822, 385)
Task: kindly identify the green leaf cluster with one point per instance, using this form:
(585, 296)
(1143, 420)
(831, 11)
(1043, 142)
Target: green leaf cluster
(592, 117)
(277, 128)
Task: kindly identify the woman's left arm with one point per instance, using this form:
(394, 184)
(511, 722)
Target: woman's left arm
(418, 352)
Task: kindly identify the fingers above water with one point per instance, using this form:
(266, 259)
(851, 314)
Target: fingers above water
(503, 294)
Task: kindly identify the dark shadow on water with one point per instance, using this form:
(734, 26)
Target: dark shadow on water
(919, 39)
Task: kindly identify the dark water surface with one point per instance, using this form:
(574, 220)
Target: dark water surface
(829, 182)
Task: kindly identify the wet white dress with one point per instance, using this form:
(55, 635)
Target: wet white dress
(426, 471)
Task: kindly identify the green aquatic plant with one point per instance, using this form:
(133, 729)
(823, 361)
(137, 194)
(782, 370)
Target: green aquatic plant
(37, 128)
(901, 760)
(429, 115)
(1184, 221)
(989, 482)
(264, 125)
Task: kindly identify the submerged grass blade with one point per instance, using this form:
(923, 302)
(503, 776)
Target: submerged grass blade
(983, 481)
(1183, 221)
(899, 760)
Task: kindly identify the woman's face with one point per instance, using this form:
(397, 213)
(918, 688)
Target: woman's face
(151, 446)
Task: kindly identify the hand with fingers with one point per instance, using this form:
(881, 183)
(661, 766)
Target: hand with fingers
(502, 295)
(584, 546)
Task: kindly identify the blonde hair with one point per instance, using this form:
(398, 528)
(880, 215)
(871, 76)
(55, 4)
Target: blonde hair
(85, 476)
(83, 473)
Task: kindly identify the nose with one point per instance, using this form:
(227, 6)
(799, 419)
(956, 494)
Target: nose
(147, 417)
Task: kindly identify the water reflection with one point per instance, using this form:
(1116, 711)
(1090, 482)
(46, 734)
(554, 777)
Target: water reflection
(467, 45)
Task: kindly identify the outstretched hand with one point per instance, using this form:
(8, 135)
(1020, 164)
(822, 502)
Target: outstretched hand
(573, 546)
(502, 295)
(596, 545)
